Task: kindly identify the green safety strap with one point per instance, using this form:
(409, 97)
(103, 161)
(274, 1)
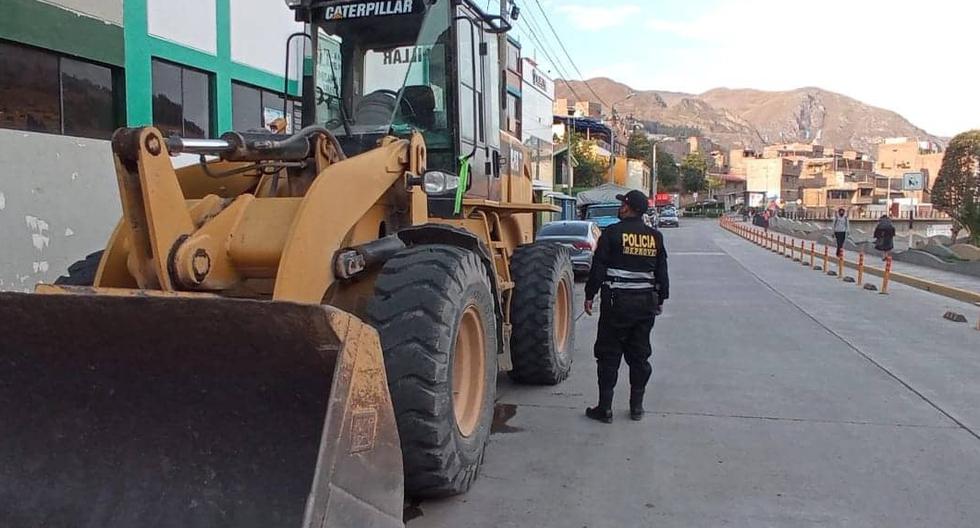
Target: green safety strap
(464, 180)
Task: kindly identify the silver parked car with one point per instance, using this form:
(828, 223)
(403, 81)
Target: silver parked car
(668, 218)
(579, 235)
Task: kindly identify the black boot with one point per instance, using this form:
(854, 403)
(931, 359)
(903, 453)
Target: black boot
(636, 405)
(601, 414)
(603, 411)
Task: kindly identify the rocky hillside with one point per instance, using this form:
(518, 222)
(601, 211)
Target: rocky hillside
(754, 118)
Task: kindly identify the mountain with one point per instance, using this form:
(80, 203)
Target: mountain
(754, 118)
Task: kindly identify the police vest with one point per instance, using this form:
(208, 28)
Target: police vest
(634, 261)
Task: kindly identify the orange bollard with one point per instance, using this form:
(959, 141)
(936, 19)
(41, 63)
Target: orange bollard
(886, 276)
(813, 253)
(860, 280)
(802, 259)
(826, 259)
(840, 265)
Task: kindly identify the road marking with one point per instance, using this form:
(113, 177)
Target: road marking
(698, 254)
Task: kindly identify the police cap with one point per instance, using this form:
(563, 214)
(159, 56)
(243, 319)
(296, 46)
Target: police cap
(635, 200)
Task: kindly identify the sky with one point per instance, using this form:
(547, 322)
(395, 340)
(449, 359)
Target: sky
(919, 59)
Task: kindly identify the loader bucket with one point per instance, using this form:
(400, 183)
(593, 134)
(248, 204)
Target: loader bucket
(151, 411)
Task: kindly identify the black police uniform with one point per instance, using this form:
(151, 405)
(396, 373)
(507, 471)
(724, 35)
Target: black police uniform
(630, 267)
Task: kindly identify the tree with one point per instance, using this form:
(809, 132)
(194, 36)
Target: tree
(694, 169)
(639, 147)
(714, 184)
(957, 190)
(667, 172)
(590, 169)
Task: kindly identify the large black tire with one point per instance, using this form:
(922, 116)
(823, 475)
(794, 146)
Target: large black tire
(541, 356)
(420, 298)
(82, 273)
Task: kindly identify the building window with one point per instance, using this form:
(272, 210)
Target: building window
(254, 108)
(181, 100)
(46, 92)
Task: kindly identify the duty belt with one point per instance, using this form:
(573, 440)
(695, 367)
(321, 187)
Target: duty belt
(618, 279)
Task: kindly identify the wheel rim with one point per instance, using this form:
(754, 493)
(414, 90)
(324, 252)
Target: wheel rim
(562, 322)
(469, 366)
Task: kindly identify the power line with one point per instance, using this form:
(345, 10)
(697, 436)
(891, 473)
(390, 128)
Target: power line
(536, 28)
(565, 50)
(558, 67)
(555, 64)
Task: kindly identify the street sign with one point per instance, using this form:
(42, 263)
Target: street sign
(913, 181)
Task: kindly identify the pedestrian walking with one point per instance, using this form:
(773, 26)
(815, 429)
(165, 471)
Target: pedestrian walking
(630, 270)
(841, 226)
(885, 237)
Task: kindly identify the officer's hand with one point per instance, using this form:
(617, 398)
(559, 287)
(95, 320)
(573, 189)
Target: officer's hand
(588, 306)
(660, 310)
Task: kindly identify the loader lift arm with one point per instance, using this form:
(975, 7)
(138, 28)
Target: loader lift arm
(215, 245)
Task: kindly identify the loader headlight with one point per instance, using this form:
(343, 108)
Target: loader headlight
(438, 182)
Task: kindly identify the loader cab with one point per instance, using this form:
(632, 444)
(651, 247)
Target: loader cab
(392, 67)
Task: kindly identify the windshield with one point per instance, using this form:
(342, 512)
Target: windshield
(602, 211)
(384, 74)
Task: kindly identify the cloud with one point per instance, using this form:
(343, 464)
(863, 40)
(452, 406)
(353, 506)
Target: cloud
(597, 18)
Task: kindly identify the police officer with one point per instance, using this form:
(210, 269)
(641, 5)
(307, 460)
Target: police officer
(630, 267)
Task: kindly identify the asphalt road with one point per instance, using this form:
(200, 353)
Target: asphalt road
(780, 397)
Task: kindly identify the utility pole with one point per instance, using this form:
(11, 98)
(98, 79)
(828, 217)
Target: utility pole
(653, 169)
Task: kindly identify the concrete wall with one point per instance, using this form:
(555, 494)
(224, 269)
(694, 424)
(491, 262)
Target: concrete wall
(107, 10)
(58, 203)
(191, 23)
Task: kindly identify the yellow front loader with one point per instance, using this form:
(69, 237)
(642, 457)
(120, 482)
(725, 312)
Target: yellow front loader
(298, 330)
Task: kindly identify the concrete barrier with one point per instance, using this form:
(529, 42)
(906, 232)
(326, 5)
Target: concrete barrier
(942, 252)
(922, 258)
(908, 280)
(966, 252)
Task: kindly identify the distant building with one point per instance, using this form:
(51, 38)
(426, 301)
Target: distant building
(568, 107)
(900, 156)
(793, 151)
(772, 179)
(737, 157)
(630, 173)
(733, 189)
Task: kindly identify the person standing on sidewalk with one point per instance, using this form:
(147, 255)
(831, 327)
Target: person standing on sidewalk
(885, 237)
(841, 226)
(630, 268)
